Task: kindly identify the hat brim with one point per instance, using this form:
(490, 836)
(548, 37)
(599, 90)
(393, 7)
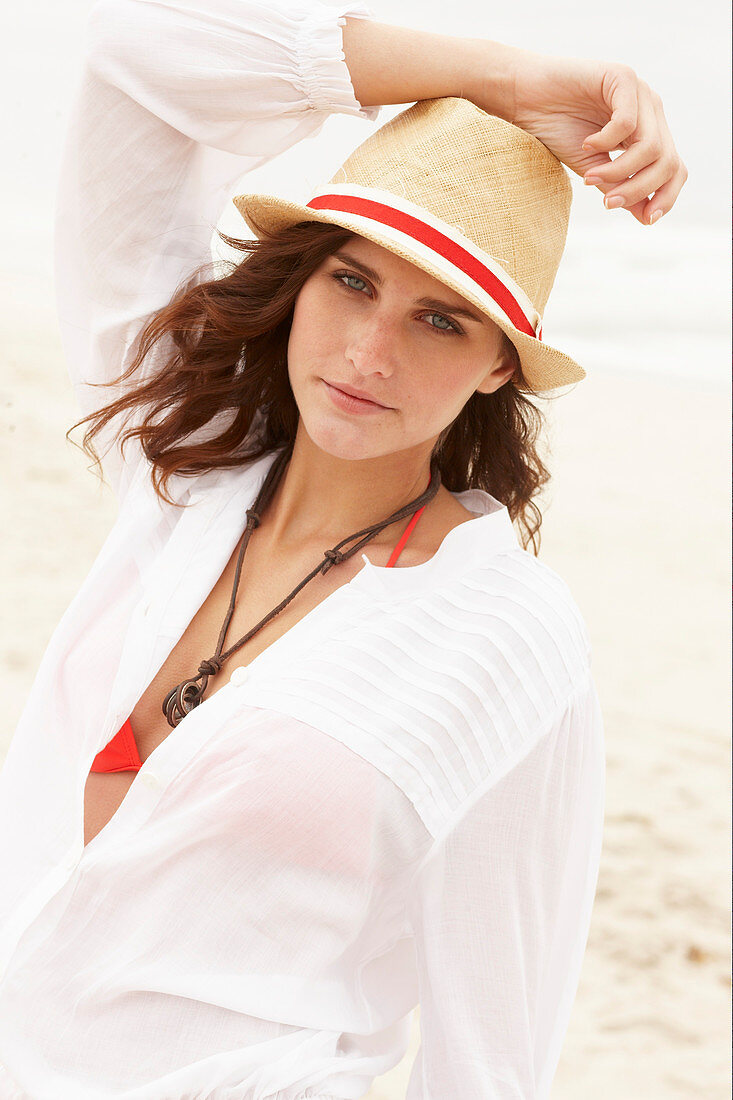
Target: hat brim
(545, 368)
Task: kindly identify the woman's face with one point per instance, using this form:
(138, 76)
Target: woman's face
(371, 321)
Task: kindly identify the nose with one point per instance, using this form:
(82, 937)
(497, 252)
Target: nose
(372, 344)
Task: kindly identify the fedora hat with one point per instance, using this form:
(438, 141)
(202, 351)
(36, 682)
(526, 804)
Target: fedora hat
(476, 202)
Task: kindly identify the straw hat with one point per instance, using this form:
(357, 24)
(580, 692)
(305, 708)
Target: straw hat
(473, 200)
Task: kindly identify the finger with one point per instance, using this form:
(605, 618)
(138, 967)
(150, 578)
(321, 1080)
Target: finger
(620, 85)
(671, 176)
(665, 196)
(652, 162)
(645, 183)
(644, 146)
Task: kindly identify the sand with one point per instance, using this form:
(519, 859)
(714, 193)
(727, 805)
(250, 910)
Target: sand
(637, 523)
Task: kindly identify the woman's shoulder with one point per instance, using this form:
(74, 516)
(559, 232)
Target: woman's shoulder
(516, 598)
(479, 582)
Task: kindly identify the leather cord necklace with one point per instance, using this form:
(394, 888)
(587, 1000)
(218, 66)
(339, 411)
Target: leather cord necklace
(188, 694)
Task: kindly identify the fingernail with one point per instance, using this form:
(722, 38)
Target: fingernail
(655, 217)
(613, 203)
(595, 180)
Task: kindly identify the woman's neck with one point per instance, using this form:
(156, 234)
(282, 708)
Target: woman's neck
(324, 499)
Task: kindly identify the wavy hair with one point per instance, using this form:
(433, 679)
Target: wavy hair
(224, 374)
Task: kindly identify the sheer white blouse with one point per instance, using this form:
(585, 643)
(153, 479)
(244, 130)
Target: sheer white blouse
(398, 802)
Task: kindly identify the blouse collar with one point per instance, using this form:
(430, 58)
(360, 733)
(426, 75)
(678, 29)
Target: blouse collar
(466, 546)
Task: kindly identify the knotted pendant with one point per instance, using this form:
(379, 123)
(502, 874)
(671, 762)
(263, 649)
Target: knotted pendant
(186, 696)
(181, 701)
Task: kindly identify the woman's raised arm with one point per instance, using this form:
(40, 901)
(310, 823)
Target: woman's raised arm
(176, 102)
(580, 109)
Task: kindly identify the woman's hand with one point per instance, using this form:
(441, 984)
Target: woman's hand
(582, 110)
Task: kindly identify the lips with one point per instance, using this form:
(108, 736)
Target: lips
(352, 392)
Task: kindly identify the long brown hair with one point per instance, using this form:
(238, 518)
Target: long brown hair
(224, 373)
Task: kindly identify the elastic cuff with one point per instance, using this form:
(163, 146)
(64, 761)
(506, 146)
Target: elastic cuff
(322, 69)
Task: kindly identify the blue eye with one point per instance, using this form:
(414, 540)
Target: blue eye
(340, 276)
(442, 319)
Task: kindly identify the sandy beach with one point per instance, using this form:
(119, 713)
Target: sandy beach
(636, 522)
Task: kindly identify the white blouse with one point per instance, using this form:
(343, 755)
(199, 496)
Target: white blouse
(400, 801)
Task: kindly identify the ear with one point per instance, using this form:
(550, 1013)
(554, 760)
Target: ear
(500, 372)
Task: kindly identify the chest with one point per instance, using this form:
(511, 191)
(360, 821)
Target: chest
(265, 582)
(267, 578)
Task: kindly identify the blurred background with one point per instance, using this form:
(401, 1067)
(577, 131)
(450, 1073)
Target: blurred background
(636, 518)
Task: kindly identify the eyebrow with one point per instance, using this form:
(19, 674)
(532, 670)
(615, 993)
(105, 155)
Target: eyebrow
(429, 303)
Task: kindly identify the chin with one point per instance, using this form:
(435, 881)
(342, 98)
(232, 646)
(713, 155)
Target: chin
(350, 442)
(340, 443)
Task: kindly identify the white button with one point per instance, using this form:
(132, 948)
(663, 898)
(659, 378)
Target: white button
(70, 863)
(150, 780)
(239, 676)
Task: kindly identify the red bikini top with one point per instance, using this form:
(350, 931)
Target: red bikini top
(121, 755)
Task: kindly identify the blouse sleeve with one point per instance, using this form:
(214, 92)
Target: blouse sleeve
(176, 101)
(501, 911)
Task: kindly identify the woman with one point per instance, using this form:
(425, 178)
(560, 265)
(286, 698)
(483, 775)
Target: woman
(235, 874)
